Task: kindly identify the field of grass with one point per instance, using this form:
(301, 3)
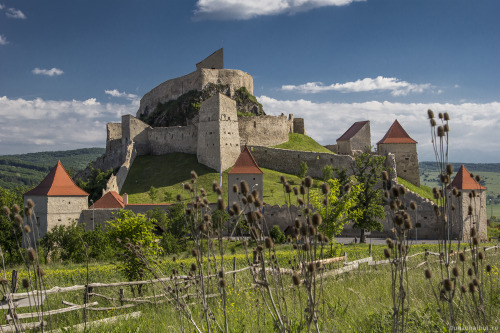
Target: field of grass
(358, 301)
(303, 143)
(169, 172)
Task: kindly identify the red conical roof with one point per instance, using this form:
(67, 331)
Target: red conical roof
(464, 181)
(396, 134)
(245, 163)
(109, 200)
(57, 183)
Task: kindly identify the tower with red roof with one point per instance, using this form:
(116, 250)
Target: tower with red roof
(245, 169)
(397, 142)
(58, 201)
(473, 195)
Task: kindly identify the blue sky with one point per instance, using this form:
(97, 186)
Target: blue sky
(69, 67)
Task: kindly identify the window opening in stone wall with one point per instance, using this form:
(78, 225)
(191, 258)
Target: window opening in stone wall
(254, 124)
(228, 118)
(38, 220)
(407, 158)
(317, 157)
(59, 220)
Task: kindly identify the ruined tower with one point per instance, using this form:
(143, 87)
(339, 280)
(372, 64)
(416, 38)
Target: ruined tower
(404, 148)
(218, 133)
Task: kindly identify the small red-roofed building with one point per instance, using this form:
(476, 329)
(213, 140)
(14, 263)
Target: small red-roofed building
(58, 201)
(397, 142)
(109, 200)
(245, 169)
(473, 195)
(356, 138)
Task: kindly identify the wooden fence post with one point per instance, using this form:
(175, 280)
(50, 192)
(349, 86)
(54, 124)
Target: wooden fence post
(370, 250)
(345, 258)
(86, 296)
(234, 274)
(14, 281)
(122, 296)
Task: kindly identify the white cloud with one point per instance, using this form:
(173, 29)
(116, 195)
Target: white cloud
(115, 93)
(49, 72)
(380, 83)
(470, 123)
(244, 10)
(2, 6)
(15, 14)
(3, 40)
(38, 124)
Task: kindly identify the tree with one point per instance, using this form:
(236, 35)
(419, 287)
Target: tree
(10, 231)
(95, 183)
(153, 193)
(367, 169)
(339, 209)
(302, 169)
(327, 172)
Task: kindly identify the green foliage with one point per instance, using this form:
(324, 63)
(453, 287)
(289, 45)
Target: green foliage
(135, 240)
(327, 172)
(170, 244)
(277, 235)
(74, 243)
(10, 232)
(247, 104)
(153, 193)
(302, 169)
(95, 183)
(301, 142)
(368, 172)
(30, 169)
(340, 209)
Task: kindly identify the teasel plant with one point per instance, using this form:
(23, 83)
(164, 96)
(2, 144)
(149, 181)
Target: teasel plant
(459, 291)
(28, 249)
(397, 250)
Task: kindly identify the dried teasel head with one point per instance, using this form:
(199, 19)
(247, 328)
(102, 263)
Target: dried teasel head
(194, 175)
(25, 283)
(393, 205)
(316, 219)
(288, 188)
(221, 205)
(461, 256)
(428, 274)
(395, 192)
(446, 116)
(298, 223)
(6, 210)
(430, 114)
(269, 243)
(470, 272)
(295, 190)
(235, 188)
(440, 131)
(478, 178)
(480, 255)
(302, 190)
(390, 243)
(448, 285)
(446, 128)
(449, 169)
(308, 181)
(488, 268)
(306, 246)
(475, 241)
(475, 281)
(282, 179)
(244, 188)
(311, 267)
(296, 280)
(312, 230)
(402, 190)
(27, 229)
(413, 205)
(455, 271)
(433, 122)
(385, 175)
(31, 203)
(325, 188)
(32, 254)
(222, 283)
(194, 252)
(387, 253)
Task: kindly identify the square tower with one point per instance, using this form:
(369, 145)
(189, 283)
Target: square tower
(218, 133)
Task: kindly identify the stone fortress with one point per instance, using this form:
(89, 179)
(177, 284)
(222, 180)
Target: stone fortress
(217, 136)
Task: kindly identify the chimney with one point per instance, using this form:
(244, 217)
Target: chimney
(125, 198)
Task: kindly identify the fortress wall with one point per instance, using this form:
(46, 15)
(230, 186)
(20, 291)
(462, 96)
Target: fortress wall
(263, 130)
(298, 126)
(288, 161)
(135, 130)
(233, 77)
(164, 140)
(115, 182)
(97, 217)
(406, 160)
(333, 148)
(174, 88)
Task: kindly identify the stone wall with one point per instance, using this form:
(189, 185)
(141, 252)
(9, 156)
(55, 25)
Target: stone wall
(115, 182)
(263, 130)
(478, 217)
(136, 130)
(174, 88)
(406, 160)
(182, 139)
(288, 161)
(254, 181)
(298, 126)
(213, 61)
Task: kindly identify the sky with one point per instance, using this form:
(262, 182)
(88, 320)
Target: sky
(69, 67)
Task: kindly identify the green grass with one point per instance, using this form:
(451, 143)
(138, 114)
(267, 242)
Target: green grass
(424, 191)
(302, 142)
(169, 172)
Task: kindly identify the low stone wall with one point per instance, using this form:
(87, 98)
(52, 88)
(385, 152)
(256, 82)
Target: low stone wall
(115, 182)
(288, 161)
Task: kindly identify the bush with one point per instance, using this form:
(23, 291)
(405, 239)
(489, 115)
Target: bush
(170, 244)
(303, 169)
(277, 235)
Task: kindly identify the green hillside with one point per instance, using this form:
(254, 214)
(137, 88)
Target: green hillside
(303, 143)
(490, 178)
(29, 169)
(168, 172)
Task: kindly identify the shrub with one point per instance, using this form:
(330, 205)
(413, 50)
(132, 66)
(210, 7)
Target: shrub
(303, 169)
(277, 235)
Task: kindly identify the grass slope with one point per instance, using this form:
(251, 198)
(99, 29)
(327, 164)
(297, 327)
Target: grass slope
(424, 191)
(29, 169)
(168, 172)
(302, 142)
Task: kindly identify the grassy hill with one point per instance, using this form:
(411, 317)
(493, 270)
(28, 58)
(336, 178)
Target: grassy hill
(303, 143)
(29, 169)
(489, 172)
(168, 172)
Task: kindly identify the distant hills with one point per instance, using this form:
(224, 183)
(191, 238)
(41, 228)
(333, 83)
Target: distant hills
(28, 170)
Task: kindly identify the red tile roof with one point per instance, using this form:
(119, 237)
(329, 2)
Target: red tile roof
(109, 200)
(353, 130)
(396, 134)
(57, 183)
(464, 181)
(245, 164)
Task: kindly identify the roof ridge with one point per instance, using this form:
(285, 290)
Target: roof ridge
(396, 134)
